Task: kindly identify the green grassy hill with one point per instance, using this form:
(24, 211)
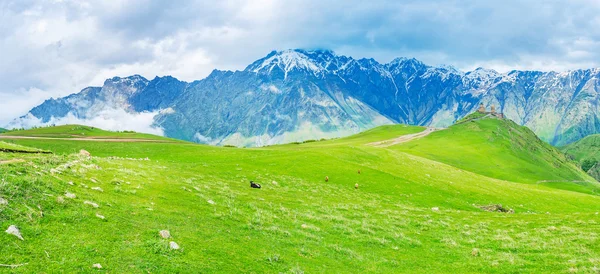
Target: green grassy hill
(2, 130)
(587, 153)
(79, 131)
(415, 210)
(501, 149)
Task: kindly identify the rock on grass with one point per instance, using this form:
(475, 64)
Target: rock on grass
(70, 195)
(98, 266)
(95, 205)
(173, 245)
(164, 234)
(13, 230)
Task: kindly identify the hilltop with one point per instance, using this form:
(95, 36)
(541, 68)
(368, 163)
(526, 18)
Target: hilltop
(420, 206)
(82, 132)
(297, 95)
(500, 148)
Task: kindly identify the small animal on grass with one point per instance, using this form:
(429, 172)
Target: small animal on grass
(359, 171)
(326, 178)
(254, 185)
(356, 186)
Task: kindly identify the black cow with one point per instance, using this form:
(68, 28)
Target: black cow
(254, 185)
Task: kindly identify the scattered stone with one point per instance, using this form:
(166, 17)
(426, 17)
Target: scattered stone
(475, 252)
(13, 230)
(274, 182)
(97, 189)
(70, 195)
(98, 266)
(173, 245)
(211, 202)
(326, 178)
(71, 183)
(85, 153)
(95, 205)
(60, 199)
(435, 209)
(100, 216)
(304, 226)
(356, 186)
(497, 208)
(3, 201)
(164, 234)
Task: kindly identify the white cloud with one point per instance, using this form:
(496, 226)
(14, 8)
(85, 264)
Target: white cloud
(109, 119)
(55, 48)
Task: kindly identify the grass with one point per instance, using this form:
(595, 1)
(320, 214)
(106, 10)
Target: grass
(297, 223)
(14, 148)
(499, 149)
(587, 153)
(79, 131)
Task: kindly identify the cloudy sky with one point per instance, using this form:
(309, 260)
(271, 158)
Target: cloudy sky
(53, 48)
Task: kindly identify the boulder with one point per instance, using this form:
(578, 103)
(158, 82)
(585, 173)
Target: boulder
(85, 153)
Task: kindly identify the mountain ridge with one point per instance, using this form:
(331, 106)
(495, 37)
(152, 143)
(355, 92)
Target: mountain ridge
(294, 95)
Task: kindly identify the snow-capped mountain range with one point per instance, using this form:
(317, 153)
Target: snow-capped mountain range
(295, 95)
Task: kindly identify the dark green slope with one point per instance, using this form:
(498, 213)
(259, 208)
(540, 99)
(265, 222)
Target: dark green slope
(587, 153)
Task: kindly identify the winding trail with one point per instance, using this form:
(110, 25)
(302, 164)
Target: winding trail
(11, 161)
(404, 138)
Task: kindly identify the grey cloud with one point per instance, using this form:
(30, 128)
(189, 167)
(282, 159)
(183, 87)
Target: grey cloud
(60, 47)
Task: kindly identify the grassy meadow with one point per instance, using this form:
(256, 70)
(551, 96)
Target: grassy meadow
(416, 208)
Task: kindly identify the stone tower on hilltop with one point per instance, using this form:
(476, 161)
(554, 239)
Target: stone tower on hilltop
(481, 108)
(492, 111)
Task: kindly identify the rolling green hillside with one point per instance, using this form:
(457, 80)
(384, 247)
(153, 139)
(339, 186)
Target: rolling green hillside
(501, 149)
(587, 153)
(79, 131)
(415, 209)
(2, 130)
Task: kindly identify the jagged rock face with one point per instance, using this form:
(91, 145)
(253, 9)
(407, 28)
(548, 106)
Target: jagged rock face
(296, 95)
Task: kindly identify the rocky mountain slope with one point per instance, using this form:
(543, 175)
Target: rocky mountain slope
(294, 95)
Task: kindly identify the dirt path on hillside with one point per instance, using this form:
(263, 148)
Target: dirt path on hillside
(124, 140)
(11, 161)
(403, 138)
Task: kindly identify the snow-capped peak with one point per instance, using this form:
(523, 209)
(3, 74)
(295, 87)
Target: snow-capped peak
(287, 61)
(482, 73)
